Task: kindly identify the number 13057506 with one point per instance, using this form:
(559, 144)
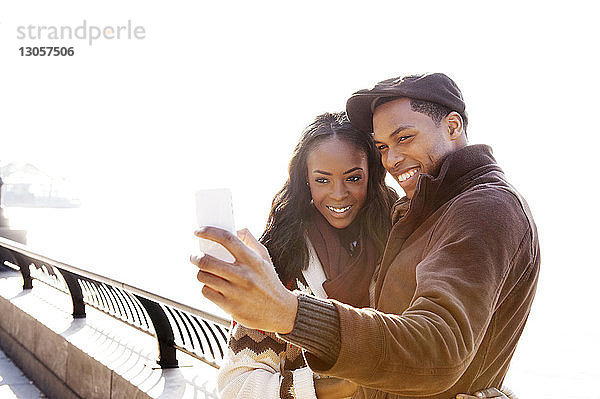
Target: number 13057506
(47, 51)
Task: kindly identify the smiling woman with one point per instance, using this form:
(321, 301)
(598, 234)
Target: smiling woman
(326, 233)
(333, 166)
(338, 177)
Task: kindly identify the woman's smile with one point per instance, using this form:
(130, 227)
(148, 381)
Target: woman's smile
(340, 210)
(337, 176)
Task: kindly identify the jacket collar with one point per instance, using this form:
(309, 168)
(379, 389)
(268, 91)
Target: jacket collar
(458, 171)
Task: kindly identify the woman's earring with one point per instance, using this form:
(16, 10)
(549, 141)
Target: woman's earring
(311, 200)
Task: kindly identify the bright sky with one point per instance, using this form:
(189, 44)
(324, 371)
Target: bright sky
(217, 93)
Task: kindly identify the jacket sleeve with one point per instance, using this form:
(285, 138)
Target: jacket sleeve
(252, 369)
(424, 349)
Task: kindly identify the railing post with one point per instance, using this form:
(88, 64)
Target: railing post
(23, 263)
(76, 294)
(6, 255)
(167, 354)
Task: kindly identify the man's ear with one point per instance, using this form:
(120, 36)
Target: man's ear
(455, 125)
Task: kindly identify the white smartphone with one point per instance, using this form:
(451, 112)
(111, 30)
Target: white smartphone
(214, 207)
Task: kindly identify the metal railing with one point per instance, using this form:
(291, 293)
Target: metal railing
(175, 326)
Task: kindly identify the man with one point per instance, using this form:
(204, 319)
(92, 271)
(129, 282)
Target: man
(457, 277)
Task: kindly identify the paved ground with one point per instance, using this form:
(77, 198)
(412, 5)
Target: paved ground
(13, 384)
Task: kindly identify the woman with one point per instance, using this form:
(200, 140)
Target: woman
(326, 233)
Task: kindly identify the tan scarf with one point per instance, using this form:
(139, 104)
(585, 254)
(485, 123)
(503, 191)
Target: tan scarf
(348, 258)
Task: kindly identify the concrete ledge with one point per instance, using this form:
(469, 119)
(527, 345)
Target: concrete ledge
(12, 234)
(95, 357)
(45, 379)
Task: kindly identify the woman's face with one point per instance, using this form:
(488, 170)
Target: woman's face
(337, 176)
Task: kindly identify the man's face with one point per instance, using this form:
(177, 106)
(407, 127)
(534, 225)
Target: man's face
(410, 142)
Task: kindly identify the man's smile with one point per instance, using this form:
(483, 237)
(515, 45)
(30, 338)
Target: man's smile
(407, 175)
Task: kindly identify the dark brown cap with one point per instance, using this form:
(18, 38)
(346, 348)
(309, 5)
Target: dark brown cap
(434, 87)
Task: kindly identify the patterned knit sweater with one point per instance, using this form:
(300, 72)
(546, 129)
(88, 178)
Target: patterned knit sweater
(260, 365)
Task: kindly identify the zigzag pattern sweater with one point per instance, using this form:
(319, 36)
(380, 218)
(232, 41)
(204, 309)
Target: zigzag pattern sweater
(260, 365)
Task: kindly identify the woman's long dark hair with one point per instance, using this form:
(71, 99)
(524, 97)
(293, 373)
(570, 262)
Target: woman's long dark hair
(284, 235)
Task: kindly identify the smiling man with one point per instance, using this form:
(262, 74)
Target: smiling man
(416, 122)
(413, 143)
(457, 278)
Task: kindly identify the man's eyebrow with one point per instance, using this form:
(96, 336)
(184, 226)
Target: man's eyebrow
(399, 129)
(322, 172)
(352, 170)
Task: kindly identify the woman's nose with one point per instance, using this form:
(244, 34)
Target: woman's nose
(339, 192)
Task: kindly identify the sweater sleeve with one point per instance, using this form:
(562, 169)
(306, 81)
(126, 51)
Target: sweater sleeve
(424, 349)
(252, 369)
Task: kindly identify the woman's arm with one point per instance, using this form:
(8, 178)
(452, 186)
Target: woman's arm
(252, 369)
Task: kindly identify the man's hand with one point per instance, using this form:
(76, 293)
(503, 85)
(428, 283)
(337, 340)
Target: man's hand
(248, 289)
(490, 393)
(334, 388)
(247, 238)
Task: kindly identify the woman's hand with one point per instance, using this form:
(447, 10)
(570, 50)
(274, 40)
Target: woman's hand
(334, 388)
(490, 393)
